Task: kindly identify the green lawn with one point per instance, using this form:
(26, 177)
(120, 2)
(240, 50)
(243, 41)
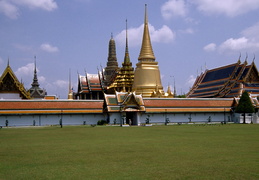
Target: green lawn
(158, 152)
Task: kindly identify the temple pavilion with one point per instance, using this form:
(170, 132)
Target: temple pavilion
(227, 81)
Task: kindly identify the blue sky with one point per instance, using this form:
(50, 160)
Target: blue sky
(187, 37)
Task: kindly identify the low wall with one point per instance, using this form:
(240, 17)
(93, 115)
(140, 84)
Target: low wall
(45, 120)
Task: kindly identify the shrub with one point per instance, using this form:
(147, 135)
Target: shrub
(101, 122)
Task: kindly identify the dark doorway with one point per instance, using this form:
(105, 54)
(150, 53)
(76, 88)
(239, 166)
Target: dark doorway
(130, 116)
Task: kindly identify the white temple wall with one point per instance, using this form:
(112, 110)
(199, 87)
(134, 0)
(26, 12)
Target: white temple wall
(10, 96)
(185, 117)
(250, 117)
(115, 116)
(160, 118)
(46, 120)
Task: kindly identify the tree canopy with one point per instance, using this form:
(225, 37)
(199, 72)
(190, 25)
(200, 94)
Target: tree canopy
(245, 105)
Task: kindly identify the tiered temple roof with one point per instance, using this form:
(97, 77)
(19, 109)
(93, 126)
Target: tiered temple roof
(35, 90)
(227, 81)
(125, 75)
(89, 87)
(112, 64)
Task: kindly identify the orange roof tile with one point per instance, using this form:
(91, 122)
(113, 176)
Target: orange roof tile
(50, 104)
(185, 102)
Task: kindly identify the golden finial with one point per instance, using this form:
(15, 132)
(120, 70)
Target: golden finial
(146, 52)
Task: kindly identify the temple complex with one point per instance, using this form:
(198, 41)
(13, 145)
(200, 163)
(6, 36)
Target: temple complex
(122, 96)
(145, 80)
(227, 81)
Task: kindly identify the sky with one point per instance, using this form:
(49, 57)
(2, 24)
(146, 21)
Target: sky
(188, 36)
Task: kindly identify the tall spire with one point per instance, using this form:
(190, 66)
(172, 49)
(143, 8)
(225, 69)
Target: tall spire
(126, 57)
(70, 90)
(146, 52)
(35, 78)
(112, 64)
(147, 80)
(35, 90)
(112, 52)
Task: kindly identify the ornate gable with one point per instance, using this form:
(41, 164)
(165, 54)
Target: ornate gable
(123, 101)
(10, 84)
(252, 75)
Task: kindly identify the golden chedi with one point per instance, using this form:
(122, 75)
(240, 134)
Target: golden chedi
(147, 79)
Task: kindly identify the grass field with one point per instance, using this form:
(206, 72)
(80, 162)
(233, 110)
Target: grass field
(158, 152)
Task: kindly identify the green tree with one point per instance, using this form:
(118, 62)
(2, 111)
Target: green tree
(245, 105)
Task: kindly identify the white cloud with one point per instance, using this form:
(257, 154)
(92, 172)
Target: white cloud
(252, 32)
(10, 8)
(210, 47)
(134, 36)
(162, 35)
(249, 41)
(41, 79)
(61, 84)
(230, 8)
(190, 81)
(49, 48)
(23, 47)
(25, 71)
(174, 8)
(235, 44)
(187, 31)
(48, 5)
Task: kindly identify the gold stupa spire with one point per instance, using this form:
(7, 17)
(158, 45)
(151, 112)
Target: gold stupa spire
(147, 79)
(70, 91)
(146, 52)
